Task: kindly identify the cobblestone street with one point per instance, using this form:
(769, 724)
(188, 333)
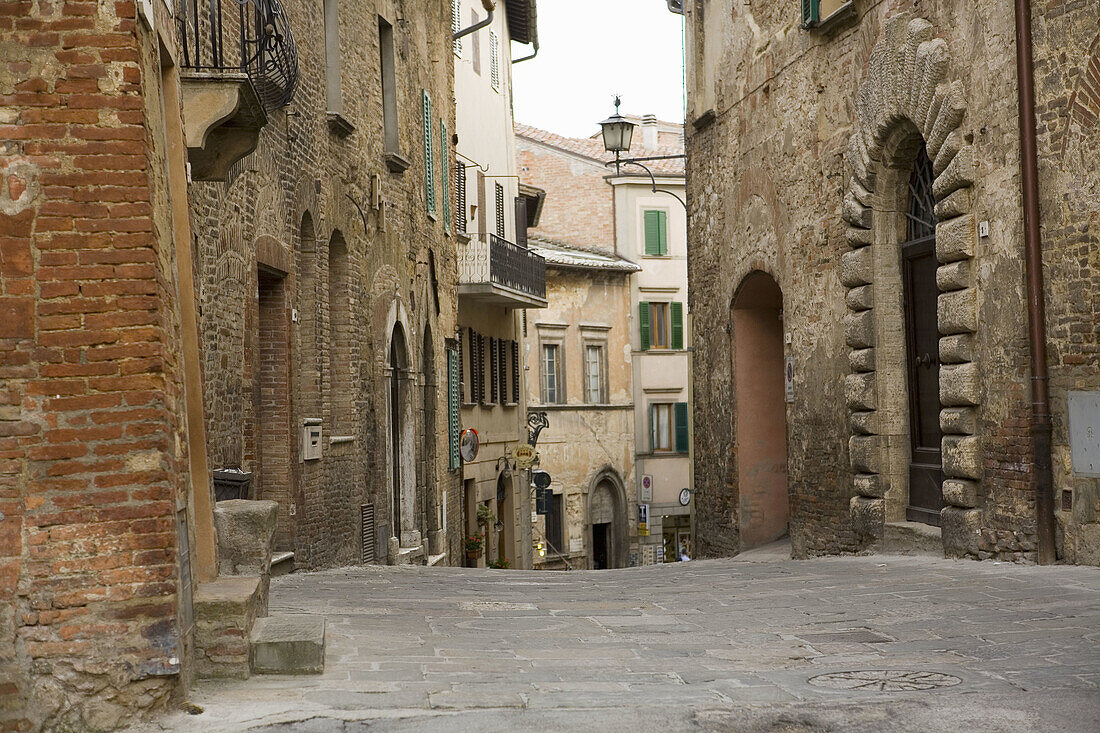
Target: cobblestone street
(711, 645)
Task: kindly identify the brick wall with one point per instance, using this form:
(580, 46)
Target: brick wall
(92, 462)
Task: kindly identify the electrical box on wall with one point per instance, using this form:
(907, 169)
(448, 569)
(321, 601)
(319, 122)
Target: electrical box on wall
(311, 440)
(1084, 432)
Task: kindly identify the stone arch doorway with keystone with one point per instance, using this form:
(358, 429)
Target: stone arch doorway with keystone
(607, 522)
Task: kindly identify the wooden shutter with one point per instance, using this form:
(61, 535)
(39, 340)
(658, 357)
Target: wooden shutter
(681, 411)
(515, 372)
(429, 155)
(811, 11)
(662, 232)
(460, 196)
(477, 367)
(521, 221)
(461, 366)
(643, 325)
(445, 175)
(500, 210)
(677, 311)
(502, 347)
(494, 60)
(494, 370)
(456, 24)
(652, 234)
(454, 389)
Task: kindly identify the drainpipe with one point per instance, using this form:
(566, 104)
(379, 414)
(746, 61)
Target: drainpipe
(490, 6)
(527, 58)
(1042, 472)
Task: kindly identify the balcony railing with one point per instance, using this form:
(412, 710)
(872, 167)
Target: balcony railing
(501, 271)
(242, 36)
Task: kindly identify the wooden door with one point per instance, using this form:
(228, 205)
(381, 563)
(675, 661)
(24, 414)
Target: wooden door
(923, 368)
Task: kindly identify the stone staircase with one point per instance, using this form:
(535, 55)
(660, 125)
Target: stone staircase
(234, 635)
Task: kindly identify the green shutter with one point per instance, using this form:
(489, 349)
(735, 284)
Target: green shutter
(681, 427)
(677, 310)
(662, 232)
(453, 424)
(445, 175)
(652, 233)
(811, 11)
(429, 156)
(643, 325)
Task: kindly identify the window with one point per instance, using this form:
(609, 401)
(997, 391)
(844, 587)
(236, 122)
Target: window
(456, 24)
(555, 524)
(656, 232)
(460, 197)
(552, 387)
(445, 175)
(429, 155)
(595, 368)
(500, 210)
(661, 325)
(332, 57)
(494, 61)
(454, 397)
(668, 427)
(389, 85)
(818, 12)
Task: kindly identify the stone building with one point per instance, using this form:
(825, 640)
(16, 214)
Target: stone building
(327, 278)
(858, 258)
(499, 277)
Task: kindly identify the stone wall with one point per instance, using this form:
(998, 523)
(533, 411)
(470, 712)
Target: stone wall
(93, 462)
(798, 142)
(356, 252)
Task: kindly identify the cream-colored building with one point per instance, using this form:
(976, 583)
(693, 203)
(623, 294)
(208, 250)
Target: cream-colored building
(499, 276)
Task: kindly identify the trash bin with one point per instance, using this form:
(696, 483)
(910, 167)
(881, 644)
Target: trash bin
(231, 483)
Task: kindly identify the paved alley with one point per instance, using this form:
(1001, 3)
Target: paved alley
(754, 644)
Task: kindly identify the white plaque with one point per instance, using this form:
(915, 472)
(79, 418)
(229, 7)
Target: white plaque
(788, 379)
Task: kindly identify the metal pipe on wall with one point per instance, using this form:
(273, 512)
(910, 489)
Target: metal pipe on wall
(1042, 478)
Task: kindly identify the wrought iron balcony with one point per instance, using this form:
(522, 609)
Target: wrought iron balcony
(500, 272)
(238, 63)
(247, 36)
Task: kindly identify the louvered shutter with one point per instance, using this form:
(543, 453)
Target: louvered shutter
(521, 221)
(502, 359)
(811, 10)
(454, 389)
(429, 162)
(681, 417)
(652, 233)
(480, 369)
(456, 24)
(515, 372)
(500, 210)
(494, 370)
(643, 325)
(461, 366)
(460, 195)
(677, 311)
(445, 175)
(662, 232)
(494, 60)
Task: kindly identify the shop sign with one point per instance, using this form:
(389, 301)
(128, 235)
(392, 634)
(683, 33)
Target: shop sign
(643, 520)
(525, 456)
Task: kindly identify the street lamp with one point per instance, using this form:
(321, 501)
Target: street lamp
(617, 133)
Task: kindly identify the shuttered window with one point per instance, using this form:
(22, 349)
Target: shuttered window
(677, 317)
(494, 60)
(811, 13)
(515, 372)
(521, 221)
(551, 374)
(494, 371)
(445, 175)
(454, 391)
(500, 209)
(429, 155)
(656, 232)
(462, 371)
(460, 197)
(643, 325)
(681, 420)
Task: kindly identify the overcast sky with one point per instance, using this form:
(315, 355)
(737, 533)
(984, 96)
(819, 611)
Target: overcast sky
(592, 49)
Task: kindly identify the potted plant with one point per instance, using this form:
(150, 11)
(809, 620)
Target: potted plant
(474, 543)
(501, 564)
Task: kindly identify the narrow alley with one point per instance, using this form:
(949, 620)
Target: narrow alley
(756, 643)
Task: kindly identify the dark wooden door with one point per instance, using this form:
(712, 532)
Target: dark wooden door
(922, 337)
(600, 539)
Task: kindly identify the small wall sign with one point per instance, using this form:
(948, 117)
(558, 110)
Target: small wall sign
(788, 379)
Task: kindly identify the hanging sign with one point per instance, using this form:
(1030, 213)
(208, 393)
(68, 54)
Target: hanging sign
(541, 479)
(525, 456)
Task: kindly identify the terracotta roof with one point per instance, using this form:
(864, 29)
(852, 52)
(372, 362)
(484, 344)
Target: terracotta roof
(592, 148)
(565, 256)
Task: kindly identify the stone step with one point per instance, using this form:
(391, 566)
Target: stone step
(288, 644)
(409, 556)
(912, 538)
(225, 610)
(282, 563)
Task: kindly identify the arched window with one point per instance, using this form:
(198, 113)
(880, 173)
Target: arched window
(922, 204)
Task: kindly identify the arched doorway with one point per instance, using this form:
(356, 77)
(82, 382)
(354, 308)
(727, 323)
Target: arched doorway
(428, 501)
(400, 462)
(607, 524)
(920, 294)
(760, 411)
(505, 527)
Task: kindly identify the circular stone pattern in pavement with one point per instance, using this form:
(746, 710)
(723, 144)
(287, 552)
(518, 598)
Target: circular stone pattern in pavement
(885, 680)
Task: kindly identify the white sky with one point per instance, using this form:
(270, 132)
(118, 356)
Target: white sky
(592, 49)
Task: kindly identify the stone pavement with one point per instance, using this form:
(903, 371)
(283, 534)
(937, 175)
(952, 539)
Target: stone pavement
(706, 645)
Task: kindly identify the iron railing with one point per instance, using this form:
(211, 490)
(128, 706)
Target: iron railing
(516, 267)
(247, 36)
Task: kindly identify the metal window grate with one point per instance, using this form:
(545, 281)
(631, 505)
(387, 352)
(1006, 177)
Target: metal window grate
(366, 515)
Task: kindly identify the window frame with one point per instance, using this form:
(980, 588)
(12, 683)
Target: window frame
(654, 427)
(559, 372)
(601, 375)
(663, 309)
(662, 232)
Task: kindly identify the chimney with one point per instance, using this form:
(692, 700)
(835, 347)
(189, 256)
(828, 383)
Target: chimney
(649, 132)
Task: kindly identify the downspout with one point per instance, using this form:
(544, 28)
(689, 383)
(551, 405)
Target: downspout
(1042, 472)
(490, 6)
(527, 58)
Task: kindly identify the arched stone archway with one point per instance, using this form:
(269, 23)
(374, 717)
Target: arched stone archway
(607, 521)
(402, 450)
(908, 98)
(760, 432)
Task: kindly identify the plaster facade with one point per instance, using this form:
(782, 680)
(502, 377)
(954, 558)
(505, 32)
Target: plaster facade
(802, 144)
